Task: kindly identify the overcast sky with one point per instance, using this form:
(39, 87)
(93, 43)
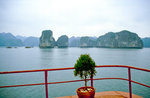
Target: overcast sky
(74, 17)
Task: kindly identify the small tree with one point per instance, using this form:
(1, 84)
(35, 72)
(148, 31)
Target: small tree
(85, 67)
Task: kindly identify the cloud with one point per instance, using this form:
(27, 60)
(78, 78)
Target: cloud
(74, 17)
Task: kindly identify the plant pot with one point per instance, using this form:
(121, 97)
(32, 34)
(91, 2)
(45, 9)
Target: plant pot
(82, 92)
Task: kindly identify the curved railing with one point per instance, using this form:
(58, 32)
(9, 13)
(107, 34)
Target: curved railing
(58, 69)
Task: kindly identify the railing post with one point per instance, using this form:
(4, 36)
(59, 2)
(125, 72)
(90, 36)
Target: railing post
(129, 77)
(92, 80)
(46, 85)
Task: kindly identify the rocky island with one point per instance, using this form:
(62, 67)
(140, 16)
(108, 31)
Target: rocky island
(87, 42)
(7, 39)
(122, 39)
(74, 41)
(47, 40)
(146, 42)
(62, 41)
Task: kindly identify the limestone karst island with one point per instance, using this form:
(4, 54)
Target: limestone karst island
(122, 39)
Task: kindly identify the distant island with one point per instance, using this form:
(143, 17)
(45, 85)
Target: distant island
(47, 40)
(9, 40)
(146, 41)
(122, 39)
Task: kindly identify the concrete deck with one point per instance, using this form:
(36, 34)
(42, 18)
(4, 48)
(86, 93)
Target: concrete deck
(108, 94)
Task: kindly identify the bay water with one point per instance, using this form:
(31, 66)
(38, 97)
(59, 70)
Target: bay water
(15, 59)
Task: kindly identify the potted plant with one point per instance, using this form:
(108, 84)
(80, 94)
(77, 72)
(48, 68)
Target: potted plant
(85, 68)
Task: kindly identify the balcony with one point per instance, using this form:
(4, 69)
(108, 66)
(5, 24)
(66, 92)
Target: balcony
(98, 95)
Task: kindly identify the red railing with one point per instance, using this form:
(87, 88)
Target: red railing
(57, 69)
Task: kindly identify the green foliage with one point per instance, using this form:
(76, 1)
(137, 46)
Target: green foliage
(85, 66)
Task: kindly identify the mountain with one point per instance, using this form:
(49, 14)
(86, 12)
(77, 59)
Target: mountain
(74, 41)
(62, 41)
(7, 39)
(31, 41)
(146, 41)
(122, 39)
(22, 38)
(47, 40)
(88, 41)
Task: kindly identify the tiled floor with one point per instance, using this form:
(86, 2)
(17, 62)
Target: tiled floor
(108, 94)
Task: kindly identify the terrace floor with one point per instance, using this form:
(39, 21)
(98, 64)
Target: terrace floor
(108, 94)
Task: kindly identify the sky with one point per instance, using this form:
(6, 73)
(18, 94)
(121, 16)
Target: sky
(74, 17)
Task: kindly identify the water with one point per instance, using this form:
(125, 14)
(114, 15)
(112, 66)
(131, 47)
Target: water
(12, 59)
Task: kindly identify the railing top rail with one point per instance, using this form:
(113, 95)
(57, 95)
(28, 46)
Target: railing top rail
(38, 70)
(125, 66)
(56, 69)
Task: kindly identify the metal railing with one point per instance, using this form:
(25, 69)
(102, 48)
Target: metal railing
(58, 69)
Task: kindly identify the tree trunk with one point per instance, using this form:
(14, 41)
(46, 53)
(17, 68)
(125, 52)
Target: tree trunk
(92, 80)
(85, 83)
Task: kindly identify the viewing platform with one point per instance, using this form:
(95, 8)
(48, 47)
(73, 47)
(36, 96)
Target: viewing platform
(108, 94)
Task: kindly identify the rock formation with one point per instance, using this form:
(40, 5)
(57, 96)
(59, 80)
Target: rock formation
(8, 39)
(87, 42)
(62, 41)
(146, 42)
(74, 41)
(123, 39)
(31, 41)
(47, 40)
